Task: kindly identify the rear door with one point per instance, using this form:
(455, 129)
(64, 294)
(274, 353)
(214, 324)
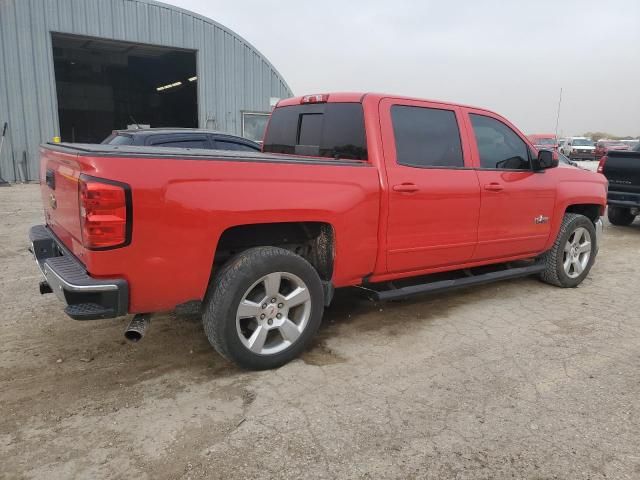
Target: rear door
(516, 203)
(434, 195)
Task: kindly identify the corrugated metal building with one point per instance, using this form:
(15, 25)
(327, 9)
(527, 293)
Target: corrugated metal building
(79, 68)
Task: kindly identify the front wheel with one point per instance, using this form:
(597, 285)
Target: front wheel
(620, 216)
(573, 253)
(263, 308)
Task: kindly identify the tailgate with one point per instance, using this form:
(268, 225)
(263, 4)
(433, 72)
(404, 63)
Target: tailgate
(622, 169)
(59, 173)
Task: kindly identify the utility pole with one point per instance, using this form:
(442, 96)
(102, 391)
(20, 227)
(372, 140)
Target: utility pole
(558, 116)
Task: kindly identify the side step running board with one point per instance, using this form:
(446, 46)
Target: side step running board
(445, 285)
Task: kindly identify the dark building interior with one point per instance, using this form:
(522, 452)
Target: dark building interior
(103, 85)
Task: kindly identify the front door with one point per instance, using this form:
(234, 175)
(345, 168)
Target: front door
(434, 196)
(516, 203)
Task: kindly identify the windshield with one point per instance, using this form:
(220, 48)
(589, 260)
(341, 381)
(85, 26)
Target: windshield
(545, 141)
(118, 139)
(582, 142)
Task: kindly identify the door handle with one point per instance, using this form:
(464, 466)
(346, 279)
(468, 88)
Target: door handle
(406, 188)
(494, 187)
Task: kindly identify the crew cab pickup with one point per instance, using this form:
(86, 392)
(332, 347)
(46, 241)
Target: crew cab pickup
(622, 169)
(398, 196)
(578, 148)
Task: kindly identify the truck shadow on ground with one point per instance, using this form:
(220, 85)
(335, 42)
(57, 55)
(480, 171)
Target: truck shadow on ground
(177, 340)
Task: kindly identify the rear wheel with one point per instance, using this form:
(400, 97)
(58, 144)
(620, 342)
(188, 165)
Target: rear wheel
(573, 253)
(620, 216)
(263, 308)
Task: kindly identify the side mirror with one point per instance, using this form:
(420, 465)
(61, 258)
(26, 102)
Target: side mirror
(544, 161)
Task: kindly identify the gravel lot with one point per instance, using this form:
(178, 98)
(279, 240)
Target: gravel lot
(510, 380)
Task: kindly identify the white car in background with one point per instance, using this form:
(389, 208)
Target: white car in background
(578, 148)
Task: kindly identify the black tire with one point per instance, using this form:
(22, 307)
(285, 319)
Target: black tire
(554, 273)
(227, 289)
(620, 216)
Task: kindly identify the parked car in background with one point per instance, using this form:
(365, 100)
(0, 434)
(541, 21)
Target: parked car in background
(561, 141)
(622, 169)
(544, 140)
(578, 148)
(377, 191)
(603, 146)
(181, 138)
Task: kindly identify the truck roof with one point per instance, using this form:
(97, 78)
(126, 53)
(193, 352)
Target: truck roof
(358, 97)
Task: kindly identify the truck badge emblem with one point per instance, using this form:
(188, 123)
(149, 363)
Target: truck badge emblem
(541, 219)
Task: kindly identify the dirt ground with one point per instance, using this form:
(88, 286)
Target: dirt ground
(509, 380)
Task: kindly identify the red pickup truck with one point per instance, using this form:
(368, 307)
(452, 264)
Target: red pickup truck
(399, 196)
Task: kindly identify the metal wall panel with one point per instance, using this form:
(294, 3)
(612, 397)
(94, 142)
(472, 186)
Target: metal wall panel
(232, 75)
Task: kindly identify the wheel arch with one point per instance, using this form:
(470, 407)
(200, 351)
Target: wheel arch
(592, 211)
(312, 240)
(588, 207)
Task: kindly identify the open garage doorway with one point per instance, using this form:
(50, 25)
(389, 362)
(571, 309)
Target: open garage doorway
(104, 85)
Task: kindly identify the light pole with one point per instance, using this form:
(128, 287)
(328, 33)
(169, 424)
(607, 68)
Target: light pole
(558, 116)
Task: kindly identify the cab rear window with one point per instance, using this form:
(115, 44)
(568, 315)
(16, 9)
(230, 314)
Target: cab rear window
(333, 130)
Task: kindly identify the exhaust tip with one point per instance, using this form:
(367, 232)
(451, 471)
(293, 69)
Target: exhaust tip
(137, 327)
(133, 336)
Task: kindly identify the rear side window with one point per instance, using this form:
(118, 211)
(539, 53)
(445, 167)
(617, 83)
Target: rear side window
(499, 146)
(426, 137)
(333, 130)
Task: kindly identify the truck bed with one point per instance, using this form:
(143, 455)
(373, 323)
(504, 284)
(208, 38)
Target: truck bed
(99, 150)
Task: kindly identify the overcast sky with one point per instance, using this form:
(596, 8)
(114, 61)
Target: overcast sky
(509, 56)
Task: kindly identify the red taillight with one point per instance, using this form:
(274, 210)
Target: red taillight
(321, 98)
(603, 160)
(103, 213)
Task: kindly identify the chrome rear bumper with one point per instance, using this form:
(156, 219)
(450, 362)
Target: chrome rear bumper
(87, 298)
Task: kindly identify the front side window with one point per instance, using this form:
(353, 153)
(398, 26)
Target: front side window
(499, 146)
(426, 137)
